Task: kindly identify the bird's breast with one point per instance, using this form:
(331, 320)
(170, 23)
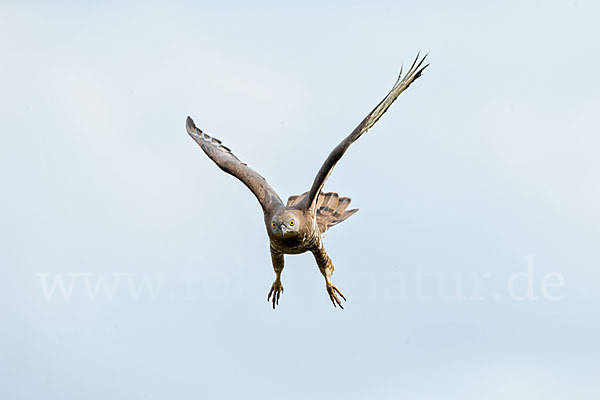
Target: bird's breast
(292, 245)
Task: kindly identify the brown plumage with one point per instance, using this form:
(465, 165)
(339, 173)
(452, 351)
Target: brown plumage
(331, 208)
(298, 226)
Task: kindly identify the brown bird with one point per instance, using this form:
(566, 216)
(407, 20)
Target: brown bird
(298, 226)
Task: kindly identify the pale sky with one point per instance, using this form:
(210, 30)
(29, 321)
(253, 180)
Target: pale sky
(470, 270)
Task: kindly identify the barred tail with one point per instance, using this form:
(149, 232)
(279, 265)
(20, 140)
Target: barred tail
(331, 208)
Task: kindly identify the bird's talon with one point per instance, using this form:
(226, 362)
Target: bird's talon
(333, 292)
(276, 290)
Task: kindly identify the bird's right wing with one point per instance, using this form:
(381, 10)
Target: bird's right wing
(229, 163)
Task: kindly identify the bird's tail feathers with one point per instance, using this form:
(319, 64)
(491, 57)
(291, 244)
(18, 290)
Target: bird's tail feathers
(331, 208)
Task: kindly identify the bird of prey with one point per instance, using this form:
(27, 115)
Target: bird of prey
(298, 226)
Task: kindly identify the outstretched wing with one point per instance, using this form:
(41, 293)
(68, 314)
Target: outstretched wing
(401, 84)
(229, 163)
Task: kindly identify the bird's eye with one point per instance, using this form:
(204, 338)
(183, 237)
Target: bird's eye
(292, 222)
(273, 225)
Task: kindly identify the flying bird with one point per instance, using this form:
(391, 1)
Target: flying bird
(297, 226)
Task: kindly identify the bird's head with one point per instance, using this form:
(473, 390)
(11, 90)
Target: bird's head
(286, 223)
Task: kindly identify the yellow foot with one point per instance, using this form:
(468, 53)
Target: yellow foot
(333, 292)
(276, 291)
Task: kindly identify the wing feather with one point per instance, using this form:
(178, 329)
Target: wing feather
(228, 162)
(402, 83)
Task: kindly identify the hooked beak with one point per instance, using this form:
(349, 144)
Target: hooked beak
(282, 229)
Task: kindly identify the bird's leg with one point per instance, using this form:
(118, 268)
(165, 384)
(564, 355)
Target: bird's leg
(277, 287)
(326, 267)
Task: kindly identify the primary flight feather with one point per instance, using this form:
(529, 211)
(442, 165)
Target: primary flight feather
(297, 226)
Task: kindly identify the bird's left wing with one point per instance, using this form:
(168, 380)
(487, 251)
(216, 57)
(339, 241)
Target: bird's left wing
(229, 163)
(401, 84)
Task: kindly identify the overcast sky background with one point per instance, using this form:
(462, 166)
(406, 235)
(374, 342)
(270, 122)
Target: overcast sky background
(485, 170)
